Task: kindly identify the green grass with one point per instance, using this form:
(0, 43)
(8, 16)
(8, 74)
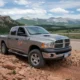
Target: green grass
(66, 31)
(72, 36)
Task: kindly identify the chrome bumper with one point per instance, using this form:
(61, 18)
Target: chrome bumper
(54, 55)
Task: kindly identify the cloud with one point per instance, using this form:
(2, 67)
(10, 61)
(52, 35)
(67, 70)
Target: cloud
(21, 2)
(21, 12)
(14, 11)
(64, 4)
(78, 9)
(38, 4)
(2, 3)
(59, 10)
(72, 16)
(41, 8)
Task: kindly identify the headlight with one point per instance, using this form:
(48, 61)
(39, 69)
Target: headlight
(47, 45)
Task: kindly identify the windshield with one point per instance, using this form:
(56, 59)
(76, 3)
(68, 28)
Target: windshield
(37, 30)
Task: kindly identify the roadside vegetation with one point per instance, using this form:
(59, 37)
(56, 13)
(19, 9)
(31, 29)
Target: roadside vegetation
(71, 32)
(72, 36)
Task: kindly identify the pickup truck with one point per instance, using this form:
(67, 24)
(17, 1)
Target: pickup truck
(36, 43)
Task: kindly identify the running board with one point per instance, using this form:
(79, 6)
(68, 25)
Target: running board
(18, 53)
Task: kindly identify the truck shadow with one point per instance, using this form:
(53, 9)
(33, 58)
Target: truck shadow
(55, 64)
(22, 58)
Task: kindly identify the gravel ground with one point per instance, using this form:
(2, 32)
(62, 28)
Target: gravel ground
(14, 67)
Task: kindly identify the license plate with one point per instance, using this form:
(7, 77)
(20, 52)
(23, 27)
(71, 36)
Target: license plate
(66, 55)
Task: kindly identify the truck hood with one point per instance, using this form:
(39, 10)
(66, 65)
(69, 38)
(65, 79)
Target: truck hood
(48, 37)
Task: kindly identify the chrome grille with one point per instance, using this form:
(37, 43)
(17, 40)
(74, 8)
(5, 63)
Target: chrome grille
(67, 40)
(67, 44)
(59, 41)
(58, 45)
(62, 43)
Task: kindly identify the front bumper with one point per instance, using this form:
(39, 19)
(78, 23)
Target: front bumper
(56, 53)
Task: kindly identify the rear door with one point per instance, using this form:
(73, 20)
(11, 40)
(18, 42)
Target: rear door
(13, 39)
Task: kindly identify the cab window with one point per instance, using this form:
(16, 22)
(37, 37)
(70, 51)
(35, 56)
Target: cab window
(21, 32)
(13, 31)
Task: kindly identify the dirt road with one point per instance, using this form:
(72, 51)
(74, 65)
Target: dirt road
(14, 67)
(75, 44)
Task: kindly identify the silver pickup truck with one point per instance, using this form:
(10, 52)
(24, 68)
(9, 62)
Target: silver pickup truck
(36, 43)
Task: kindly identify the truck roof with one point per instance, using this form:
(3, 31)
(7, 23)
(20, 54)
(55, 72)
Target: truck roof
(27, 26)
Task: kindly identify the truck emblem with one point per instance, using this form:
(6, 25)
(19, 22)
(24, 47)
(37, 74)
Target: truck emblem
(20, 43)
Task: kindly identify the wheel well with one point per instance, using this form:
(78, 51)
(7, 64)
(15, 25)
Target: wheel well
(33, 47)
(2, 42)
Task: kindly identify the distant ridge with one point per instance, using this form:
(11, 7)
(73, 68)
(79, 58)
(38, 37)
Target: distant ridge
(49, 21)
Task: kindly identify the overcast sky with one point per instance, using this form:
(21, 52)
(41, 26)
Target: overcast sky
(40, 8)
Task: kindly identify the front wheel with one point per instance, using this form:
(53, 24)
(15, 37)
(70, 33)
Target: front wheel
(35, 59)
(4, 49)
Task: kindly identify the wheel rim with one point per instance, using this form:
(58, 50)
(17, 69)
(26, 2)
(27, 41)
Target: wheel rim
(35, 59)
(3, 48)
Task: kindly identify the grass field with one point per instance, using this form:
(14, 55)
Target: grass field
(71, 35)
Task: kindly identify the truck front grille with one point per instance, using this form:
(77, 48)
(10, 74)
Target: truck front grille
(66, 44)
(58, 45)
(67, 40)
(59, 41)
(62, 43)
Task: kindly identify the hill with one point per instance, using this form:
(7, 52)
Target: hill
(50, 21)
(6, 23)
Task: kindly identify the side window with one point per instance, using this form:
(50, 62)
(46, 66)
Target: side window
(13, 31)
(21, 32)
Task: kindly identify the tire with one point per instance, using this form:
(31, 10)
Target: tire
(35, 59)
(4, 49)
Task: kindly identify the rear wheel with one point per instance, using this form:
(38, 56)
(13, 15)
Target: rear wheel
(35, 59)
(4, 49)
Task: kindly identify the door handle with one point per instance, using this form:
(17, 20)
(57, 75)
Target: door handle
(9, 38)
(16, 38)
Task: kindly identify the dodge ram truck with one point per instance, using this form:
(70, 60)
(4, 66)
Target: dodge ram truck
(36, 43)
